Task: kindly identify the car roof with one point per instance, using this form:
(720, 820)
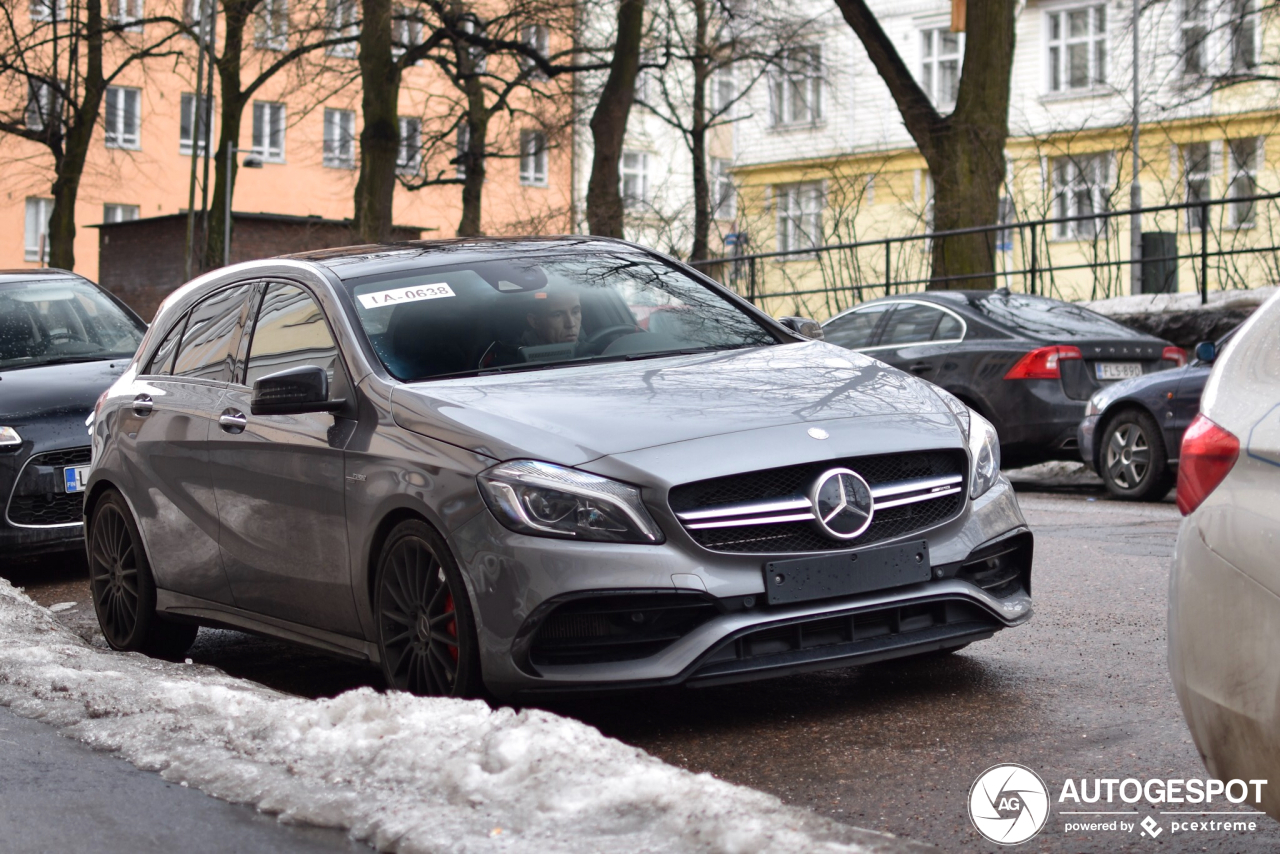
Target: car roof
(351, 262)
(44, 274)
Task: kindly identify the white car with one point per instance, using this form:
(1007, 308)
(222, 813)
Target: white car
(1224, 593)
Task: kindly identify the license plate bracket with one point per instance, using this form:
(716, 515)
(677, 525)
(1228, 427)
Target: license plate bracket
(863, 571)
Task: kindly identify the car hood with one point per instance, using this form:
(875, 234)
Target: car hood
(54, 391)
(577, 414)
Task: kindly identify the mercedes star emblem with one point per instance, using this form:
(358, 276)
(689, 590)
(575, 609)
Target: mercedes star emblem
(841, 503)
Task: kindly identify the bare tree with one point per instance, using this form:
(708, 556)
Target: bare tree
(964, 150)
(55, 68)
(609, 121)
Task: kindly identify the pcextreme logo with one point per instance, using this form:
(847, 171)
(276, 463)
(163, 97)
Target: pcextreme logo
(1009, 804)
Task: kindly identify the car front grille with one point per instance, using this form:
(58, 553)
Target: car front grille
(39, 497)
(913, 491)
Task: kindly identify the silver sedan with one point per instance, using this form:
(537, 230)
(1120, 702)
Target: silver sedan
(537, 466)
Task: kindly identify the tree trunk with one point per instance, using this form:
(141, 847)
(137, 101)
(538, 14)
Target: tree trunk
(698, 137)
(70, 166)
(609, 123)
(965, 150)
(380, 136)
(236, 18)
(474, 160)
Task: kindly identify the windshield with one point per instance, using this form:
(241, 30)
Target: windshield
(527, 314)
(62, 320)
(1049, 318)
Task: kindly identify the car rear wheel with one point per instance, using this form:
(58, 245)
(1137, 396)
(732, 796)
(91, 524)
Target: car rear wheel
(426, 632)
(123, 589)
(1134, 463)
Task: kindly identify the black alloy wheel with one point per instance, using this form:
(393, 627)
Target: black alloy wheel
(123, 589)
(426, 633)
(1134, 464)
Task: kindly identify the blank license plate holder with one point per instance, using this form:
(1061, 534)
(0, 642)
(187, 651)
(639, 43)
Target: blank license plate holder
(827, 576)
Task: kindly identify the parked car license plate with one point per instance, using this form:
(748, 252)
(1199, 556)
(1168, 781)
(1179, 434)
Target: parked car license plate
(807, 578)
(74, 478)
(1117, 370)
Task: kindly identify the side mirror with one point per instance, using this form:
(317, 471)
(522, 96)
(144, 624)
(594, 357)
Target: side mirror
(292, 392)
(803, 326)
(1206, 351)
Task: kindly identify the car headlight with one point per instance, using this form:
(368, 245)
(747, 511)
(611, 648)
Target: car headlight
(984, 450)
(547, 500)
(9, 437)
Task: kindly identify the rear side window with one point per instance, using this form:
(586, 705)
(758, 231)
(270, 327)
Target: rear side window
(291, 332)
(209, 343)
(949, 328)
(161, 364)
(855, 329)
(912, 324)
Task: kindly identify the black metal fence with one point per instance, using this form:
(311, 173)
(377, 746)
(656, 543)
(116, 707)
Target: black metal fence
(1219, 244)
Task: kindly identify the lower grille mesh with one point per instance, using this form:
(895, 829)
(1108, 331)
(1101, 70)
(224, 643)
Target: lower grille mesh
(39, 497)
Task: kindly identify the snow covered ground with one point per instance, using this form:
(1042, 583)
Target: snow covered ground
(1164, 303)
(405, 774)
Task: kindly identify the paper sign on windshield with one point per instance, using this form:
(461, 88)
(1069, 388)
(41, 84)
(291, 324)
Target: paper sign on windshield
(395, 296)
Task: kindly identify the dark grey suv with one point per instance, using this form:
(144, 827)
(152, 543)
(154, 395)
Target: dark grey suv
(537, 466)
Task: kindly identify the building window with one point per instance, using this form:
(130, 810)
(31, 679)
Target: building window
(119, 213)
(635, 178)
(125, 12)
(1080, 190)
(36, 235)
(123, 117)
(1077, 49)
(533, 158)
(1197, 177)
(799, 215)
(1243, 28)
(409, 155)
(44, 10)
(340, 138)
(723, 194)
(537, 38)
(195, 14)
(406, 31)
(724, 90)
(191, 118)
(44, 107)
(474, 52)
(941, 52)
(344, 22)
(271, 31)
(1243, 156)
(464, 143)
(268, 131)
(1194, 37)
(797, 87)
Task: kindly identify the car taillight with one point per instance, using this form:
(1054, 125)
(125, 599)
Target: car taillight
(1208, 453)
(1042, 363)
(1174, 354)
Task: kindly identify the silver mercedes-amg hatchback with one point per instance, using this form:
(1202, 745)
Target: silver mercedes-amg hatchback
(537, 466)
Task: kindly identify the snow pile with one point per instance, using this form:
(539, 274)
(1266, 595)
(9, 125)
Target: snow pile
(1166, 303)
(402, 773)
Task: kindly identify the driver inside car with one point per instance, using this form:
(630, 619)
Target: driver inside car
(554, 317)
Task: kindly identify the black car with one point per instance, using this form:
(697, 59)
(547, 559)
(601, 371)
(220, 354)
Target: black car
(1026, 363)
(1132, 431)
(63, 341)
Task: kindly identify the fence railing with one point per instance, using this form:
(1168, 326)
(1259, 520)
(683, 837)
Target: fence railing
(1219, 244)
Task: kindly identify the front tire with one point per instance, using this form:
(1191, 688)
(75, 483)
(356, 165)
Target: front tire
(426, 631)
(1133, 462)
(123, 589)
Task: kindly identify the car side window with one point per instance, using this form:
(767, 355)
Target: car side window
(161, 364)
(291, 332)
(209, 343)
(855, 329)
(912, 323)
(949, 328)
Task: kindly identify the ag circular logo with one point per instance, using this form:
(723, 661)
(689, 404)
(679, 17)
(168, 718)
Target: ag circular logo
(841, 503)
(1009, 804)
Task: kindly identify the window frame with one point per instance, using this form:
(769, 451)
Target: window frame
(411, 164)
(186, 144)
(345, 159)
(1235, 173)
(641, 173)
(536, 37)
(233, 351)
(342, 21)
(274, 112)
(118, 113)
(1057, 71)
(1191, 179)
(31, 251)
(271, 25)
(120, 206)
(795, 219)
(787, 79)
(931, 62)
(1098, 190)
(533, 158)
(724, 193)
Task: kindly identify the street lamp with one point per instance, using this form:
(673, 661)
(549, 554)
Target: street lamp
(251, 162)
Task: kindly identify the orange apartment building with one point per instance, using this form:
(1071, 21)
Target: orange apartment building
(305, 132)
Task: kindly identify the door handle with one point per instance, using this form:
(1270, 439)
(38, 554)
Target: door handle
(143, 404)
(232, 421)
(921, 368)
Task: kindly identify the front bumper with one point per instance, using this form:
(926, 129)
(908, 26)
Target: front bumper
(516, 581)
(1224, 629)
(37, 515)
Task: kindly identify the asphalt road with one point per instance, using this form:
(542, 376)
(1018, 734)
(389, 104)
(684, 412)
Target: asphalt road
(1081, 692)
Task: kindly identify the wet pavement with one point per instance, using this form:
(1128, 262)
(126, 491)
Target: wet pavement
(1081, 692)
